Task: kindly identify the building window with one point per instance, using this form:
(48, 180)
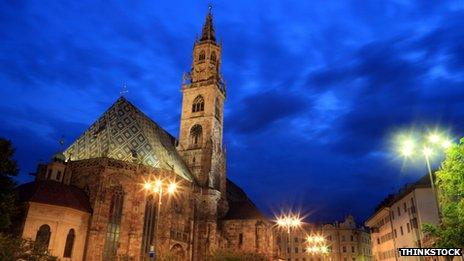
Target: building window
(240, 239)
(405, 207)
(394, 232)
(414, 223)
(408, 227)
(378, 241)
(43, 236)
(58, 176)
(296, 240)
(198, 104)
(296, 250)
(399, 213)
(202, 55)
(196, 135)
(393, 214)
(213, 56)
(114, 224)
(344, 249)
(68, 247)
(352, 238)
(343, 238)
(401, 230)
(352, 249)
(148, 225)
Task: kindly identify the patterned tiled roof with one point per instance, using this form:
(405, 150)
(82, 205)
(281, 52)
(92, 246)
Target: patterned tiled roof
(125, 133)
(54, 193)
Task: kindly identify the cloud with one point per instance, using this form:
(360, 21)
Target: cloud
(315, 89)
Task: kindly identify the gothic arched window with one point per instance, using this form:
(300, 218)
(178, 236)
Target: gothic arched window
(213, 56)
(148, 226)
(202, 55)
(43, 236)
(196, 135)
(114, 224)
(198, 104)
(68, 247)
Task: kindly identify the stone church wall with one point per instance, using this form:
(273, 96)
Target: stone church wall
(248, 235)
(99, 177)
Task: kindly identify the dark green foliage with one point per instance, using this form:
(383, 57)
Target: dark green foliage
(12, 249)
(8, 169)
(450, 185)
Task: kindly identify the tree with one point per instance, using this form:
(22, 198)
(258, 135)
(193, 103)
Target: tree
(13, 248)
(450, 186)
(8, 169)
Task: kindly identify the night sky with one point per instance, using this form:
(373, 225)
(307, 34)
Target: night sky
(316, 89)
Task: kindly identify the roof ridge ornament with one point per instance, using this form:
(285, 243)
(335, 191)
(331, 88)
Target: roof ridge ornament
(123, 90)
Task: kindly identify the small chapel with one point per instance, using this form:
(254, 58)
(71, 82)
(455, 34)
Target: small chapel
(126, 189)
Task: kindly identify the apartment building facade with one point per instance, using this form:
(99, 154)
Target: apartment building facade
(398, 221)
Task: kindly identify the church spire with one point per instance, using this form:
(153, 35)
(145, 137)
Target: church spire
(207, 33)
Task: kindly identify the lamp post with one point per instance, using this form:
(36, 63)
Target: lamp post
(430, 143)
(160, 188)
(316, 245)
(288, 223)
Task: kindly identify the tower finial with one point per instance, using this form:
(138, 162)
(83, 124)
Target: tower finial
(207, 34)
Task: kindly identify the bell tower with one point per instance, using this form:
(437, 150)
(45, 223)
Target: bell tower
(201, 125)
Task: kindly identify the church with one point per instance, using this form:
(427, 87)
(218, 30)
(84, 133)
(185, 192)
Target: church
(127, 189)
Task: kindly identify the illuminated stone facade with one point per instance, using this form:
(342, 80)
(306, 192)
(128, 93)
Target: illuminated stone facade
(113, 158)
(345, 241)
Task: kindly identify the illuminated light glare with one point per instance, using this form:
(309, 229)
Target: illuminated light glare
(172, 188)
(427, 151)
(434, 138)
(147, 185)
(446, 144)
(407, 148)
(158, 184)
(324, 249)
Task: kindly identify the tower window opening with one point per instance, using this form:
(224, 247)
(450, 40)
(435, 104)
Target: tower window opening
(201, 56)
(213, 56)
(198, 104)
(196, 135)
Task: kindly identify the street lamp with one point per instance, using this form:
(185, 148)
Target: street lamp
(288, 223)
(160, 188)
(429, 144)
(316, 245)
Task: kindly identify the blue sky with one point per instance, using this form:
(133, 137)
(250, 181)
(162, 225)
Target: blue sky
(316, 89)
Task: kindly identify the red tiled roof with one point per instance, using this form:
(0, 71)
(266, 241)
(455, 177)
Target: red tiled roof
(54, 193)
